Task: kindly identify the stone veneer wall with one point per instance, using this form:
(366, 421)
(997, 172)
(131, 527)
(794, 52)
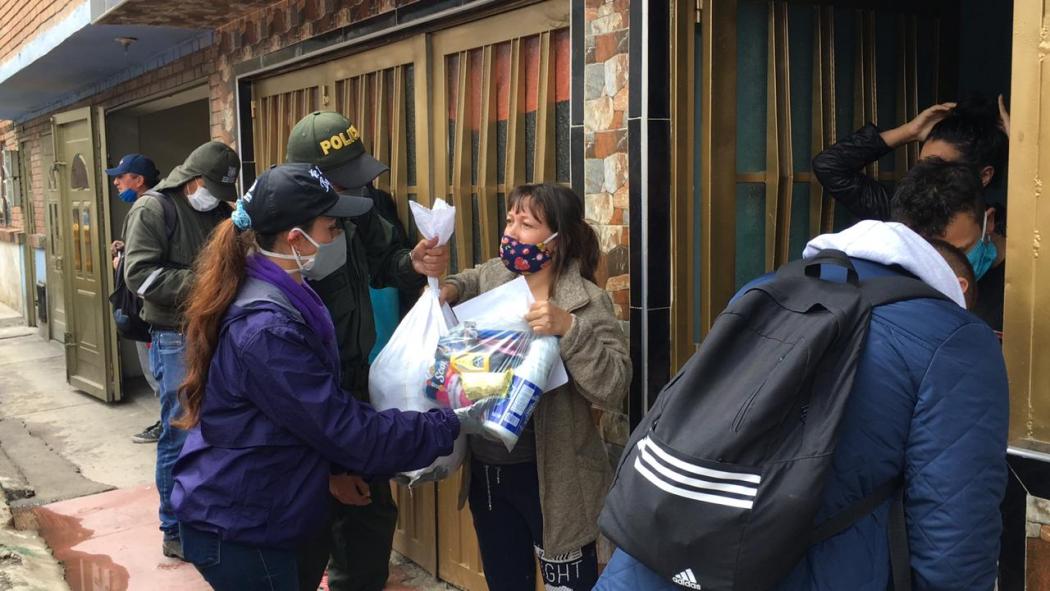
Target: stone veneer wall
(1038, 544)
(605, 95)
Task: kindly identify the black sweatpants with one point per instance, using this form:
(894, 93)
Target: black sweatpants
(356, 549)
(505, 502)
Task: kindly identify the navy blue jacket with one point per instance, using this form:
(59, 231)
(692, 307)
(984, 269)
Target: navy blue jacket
(930, 401)
(275, 421)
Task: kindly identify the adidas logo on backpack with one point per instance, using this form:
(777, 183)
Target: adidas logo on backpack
(686, 579)
(725, 472)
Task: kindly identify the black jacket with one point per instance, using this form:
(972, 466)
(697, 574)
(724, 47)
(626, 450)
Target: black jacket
(840, 169)
(377, 256)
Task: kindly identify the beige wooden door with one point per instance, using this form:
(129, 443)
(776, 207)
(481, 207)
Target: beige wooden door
(87, 363)
(55, 252)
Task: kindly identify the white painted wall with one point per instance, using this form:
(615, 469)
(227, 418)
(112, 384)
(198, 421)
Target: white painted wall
(11, 275)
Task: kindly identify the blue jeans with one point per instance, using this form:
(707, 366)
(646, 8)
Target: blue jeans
(168, 364)
(624, 573)
(229, 566)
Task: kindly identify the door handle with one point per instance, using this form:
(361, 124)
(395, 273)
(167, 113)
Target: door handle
(53, 172)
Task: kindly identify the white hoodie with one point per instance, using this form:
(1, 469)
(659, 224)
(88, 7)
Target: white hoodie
(892, 243)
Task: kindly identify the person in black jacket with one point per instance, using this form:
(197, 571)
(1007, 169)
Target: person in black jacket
(973, 132)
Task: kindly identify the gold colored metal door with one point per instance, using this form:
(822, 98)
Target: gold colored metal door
(1026, 330)
(500, 119)
(277, 104)
(86, 338)
(506, 78)
(800, 75)
(384, 94)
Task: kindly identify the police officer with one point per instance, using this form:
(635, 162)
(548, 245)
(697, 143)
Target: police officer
(364, 515)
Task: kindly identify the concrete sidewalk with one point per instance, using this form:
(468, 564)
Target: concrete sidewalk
(69, 469)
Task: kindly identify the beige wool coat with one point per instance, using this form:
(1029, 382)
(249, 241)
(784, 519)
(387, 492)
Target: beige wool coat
(574, 470)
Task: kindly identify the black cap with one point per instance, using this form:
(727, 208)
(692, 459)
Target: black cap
(216, 163)
(288, 195)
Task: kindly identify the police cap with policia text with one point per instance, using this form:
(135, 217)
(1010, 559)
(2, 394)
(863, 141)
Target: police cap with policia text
(330, 141)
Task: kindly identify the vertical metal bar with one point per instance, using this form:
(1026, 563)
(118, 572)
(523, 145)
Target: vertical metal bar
(684, 233)
(816, 190)
(381, 133)
(779, 161)
(399, 145)
(935, 67)
(280, 119)
(718, 158)
(871, 94)
(827, 221)
(913, 80)
(515, 169)
(487, 181)
(256, 128)
(461, 185)
(259, 129)
(900, 157)
(365, 124)
(544, 170)
(271, 123)
(438, 168)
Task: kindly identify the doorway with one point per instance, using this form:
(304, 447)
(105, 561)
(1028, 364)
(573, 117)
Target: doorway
(166, 130)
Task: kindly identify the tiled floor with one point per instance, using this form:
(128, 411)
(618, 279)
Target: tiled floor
(110, 542)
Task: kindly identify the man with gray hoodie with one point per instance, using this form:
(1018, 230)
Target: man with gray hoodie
(158, 267)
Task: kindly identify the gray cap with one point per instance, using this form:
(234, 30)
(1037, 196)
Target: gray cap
(216, 163)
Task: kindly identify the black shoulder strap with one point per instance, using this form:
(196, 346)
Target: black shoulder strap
(898, 288)
(171, 217)
(900, 554)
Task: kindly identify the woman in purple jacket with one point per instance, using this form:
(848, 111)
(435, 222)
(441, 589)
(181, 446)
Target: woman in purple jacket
(267, 420)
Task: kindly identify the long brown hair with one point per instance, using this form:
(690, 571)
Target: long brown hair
(218, 274)
(562, 209)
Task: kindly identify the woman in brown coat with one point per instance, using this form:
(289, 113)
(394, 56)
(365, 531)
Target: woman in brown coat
(543, 498)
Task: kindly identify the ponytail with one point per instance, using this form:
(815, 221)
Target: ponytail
(218, 274)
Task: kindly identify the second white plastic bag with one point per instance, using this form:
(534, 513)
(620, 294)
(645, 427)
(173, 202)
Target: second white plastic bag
(400, 370)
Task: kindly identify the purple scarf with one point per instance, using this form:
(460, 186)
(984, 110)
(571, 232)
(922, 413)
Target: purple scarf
(300, 295)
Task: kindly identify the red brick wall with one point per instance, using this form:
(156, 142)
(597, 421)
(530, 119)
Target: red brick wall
(21, 20)
(275, 27)
(199, 66)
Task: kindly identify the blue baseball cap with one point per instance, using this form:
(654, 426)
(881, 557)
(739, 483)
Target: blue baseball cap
(135, 164)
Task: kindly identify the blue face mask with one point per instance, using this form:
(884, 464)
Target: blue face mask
(984, 253)
(128, 195)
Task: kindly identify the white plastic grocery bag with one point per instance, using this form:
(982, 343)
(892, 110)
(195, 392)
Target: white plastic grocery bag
(399, 372)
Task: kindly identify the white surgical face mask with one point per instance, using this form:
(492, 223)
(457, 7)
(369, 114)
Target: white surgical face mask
(202, 199)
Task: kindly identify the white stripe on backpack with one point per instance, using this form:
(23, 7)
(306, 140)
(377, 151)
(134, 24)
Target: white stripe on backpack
(665, 479)
(671, 474)
(687, 467)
